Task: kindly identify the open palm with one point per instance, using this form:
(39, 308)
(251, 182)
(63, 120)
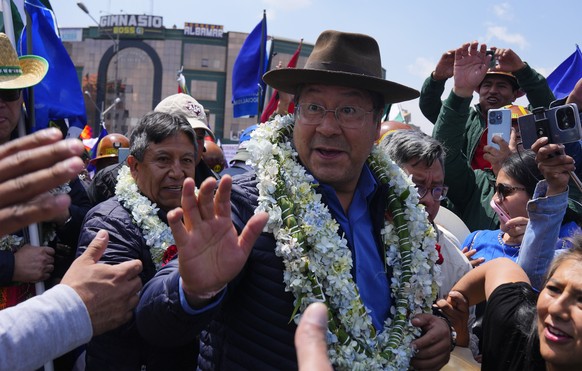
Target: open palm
(470, 66)
(210, 251)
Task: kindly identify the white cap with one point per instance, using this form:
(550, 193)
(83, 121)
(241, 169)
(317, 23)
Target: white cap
(183, 104)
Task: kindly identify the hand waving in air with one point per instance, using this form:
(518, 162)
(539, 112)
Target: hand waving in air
(210, 251)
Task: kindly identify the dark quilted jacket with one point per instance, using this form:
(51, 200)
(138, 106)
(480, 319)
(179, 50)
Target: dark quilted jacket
(123, 348)
(250, 329)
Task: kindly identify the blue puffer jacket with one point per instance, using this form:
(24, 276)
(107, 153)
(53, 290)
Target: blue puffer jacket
(250, 329)
(123, 348)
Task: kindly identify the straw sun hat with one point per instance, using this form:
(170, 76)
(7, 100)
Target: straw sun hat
(18, 73)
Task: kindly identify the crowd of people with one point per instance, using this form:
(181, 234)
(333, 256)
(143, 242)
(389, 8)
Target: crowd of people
(318, 248)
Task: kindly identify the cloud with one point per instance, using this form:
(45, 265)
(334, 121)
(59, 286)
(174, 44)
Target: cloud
(287, 5)
(422, 67)
(544, 71)
(501, 33)
(276, 7)
(503, 11)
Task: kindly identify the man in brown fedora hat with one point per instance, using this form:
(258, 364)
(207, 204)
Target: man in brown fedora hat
(320, 189)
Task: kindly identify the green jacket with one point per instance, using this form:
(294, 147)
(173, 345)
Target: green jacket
(535, 86)
(459, 128)
(469, 190)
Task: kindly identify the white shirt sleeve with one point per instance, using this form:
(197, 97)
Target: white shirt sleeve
(42, 328)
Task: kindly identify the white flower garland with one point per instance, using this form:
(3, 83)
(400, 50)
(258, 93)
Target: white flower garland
(47, 229)
(11, 242)
(318, 261)
(144, 214)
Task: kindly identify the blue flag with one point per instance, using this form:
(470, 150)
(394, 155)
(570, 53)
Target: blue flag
(248, 70)
(563, 78)
(59, 95)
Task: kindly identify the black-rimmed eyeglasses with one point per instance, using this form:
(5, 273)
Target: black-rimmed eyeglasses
(438, 193)
(349, 117)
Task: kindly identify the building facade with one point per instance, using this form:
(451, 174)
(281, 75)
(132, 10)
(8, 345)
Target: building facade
(137, 60)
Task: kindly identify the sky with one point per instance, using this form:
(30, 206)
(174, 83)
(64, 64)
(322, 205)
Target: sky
(412, 35)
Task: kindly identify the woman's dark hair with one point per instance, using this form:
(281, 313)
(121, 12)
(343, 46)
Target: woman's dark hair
(522, 167)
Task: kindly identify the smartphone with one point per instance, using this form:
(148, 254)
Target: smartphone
(501, 214)
(122, 155)
(493, 62)
(498, 124)
(559, 124)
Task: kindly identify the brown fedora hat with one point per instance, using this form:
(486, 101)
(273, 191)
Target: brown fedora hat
(19, 73)
(346, 59)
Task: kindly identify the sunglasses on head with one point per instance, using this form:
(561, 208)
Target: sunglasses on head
(504, 190)
(10, 95)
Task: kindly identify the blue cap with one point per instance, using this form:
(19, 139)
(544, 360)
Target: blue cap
(246, 134)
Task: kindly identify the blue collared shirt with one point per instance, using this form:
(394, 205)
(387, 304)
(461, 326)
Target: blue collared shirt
(371, 277)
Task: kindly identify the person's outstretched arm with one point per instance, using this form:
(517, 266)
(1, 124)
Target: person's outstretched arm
(91, 299)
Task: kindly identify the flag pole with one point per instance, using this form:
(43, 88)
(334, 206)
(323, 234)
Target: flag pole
(33, 229)
(269, 66)
(261, 66)
(9, 31)
(8, 24)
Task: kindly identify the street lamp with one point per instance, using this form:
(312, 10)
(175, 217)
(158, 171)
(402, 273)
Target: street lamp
(101, 111)
(115, 51)
(84, 9)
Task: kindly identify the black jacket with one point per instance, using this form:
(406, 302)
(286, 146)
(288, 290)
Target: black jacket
(123, 348)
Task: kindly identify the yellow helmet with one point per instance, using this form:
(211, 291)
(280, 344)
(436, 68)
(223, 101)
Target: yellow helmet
(109, 146)
(213, 156)
(517, 111)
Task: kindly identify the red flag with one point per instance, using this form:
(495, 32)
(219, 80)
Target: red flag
(274, 101)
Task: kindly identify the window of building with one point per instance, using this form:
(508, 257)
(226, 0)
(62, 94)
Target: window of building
(204, 90)
(209, 57)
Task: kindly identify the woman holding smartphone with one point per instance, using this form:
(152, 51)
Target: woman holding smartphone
(520, 192)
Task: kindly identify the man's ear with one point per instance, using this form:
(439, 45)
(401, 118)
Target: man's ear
(133, 163)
